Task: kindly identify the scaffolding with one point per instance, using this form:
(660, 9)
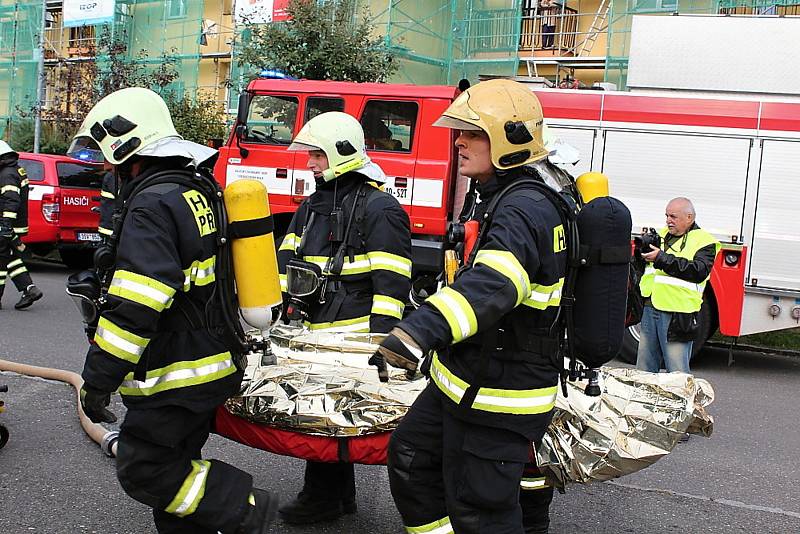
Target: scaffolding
(150, 31)
(441, 42)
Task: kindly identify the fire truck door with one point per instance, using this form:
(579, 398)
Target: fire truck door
(647, 169)
(775, 249)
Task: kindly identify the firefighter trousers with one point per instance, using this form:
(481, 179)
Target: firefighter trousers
(448, 475)
(12, 266)
(159, 464)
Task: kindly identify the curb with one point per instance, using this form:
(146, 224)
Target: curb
(753, 348)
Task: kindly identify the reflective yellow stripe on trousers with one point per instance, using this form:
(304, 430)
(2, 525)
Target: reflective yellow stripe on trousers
(511, 401)
(440, 526)
(191, 491)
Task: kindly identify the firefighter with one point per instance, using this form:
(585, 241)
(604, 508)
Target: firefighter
(461, 454)
(160, 339)
(358, 239)
(14, 225)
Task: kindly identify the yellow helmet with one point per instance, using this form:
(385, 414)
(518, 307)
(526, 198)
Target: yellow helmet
(340, 136)
(509, 113)
(123, 123)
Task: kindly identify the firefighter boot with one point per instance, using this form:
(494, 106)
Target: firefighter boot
(261, 512)
(307, 508)
(29, 296)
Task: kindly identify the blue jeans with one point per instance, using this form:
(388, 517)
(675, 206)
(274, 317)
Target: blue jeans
(655, 350)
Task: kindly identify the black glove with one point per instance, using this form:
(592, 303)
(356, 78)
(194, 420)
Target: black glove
(398, 350)
(6, 232)
(94, 402)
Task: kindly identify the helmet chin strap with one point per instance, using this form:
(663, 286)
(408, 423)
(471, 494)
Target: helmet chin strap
(335, 172)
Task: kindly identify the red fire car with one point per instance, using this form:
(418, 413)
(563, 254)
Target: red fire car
(63, 206)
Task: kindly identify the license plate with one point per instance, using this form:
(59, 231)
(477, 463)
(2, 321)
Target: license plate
(88, 236)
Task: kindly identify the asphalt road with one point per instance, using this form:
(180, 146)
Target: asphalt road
(54, 480)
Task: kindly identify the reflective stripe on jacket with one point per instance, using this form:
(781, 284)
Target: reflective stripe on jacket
(158, 340)
(484, 328)
(376, 275)
(670, 293)
(14, 198)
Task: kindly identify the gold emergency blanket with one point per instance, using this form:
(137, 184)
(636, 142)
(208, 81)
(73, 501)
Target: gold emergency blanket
(638, 419)
(322, 385)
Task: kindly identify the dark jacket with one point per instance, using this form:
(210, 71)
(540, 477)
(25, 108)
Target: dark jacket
(158, 340)
(14, 197)
(108, 195)
(370, 292)
(496, 360)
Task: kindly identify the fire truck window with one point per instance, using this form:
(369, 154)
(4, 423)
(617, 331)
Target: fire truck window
(33, 169)
(316, 106)
(271, 119)
(389, 125)
(80, 176)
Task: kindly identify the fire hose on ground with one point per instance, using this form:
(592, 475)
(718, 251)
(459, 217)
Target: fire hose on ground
(107, 439)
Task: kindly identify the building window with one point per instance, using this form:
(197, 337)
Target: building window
(389, 125)
(655, 5)
(176, 9)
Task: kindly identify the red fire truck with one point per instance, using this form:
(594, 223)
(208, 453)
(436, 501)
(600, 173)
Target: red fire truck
(736, 158)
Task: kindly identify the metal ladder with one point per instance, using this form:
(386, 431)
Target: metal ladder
(599, 24)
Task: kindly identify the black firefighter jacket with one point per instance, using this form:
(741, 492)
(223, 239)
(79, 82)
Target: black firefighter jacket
(108, 195)
(495, 359)
(14, 198)
(154, 341)
(370, 293)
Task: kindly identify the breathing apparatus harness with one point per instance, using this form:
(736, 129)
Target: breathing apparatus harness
(563, 326)
(89, 288)
(306, 282)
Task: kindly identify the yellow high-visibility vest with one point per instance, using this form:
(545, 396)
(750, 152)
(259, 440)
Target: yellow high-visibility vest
(671, 294)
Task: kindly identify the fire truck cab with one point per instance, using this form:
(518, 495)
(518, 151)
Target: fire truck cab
(419, 160)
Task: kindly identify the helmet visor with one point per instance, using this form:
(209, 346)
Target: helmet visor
(302, 278)
(455, 124)
(299, 146)
(86, 149)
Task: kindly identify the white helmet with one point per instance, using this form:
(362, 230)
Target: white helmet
(340, 136)
(123, 124)
(5, 149)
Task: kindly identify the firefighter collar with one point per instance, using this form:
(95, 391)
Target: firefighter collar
(373, 171)
(175, 146)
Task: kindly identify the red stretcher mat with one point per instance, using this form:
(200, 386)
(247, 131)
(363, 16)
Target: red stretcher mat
(370, 450)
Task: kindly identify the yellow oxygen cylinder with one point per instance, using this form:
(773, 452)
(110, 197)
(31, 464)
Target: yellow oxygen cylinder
(255, 264)
(592, 185)
(450, 267)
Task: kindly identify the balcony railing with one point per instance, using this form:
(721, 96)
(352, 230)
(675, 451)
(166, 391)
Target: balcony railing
(554, 28)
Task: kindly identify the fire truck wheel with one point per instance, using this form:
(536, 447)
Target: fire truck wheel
(630, 340)
(3, 436)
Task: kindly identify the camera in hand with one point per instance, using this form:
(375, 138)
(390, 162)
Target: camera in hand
(649, 237)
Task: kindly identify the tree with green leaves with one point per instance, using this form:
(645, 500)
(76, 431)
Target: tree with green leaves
(80, 85)
(322, 40)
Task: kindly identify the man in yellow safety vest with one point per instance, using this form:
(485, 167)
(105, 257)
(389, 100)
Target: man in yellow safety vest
(673, 285)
